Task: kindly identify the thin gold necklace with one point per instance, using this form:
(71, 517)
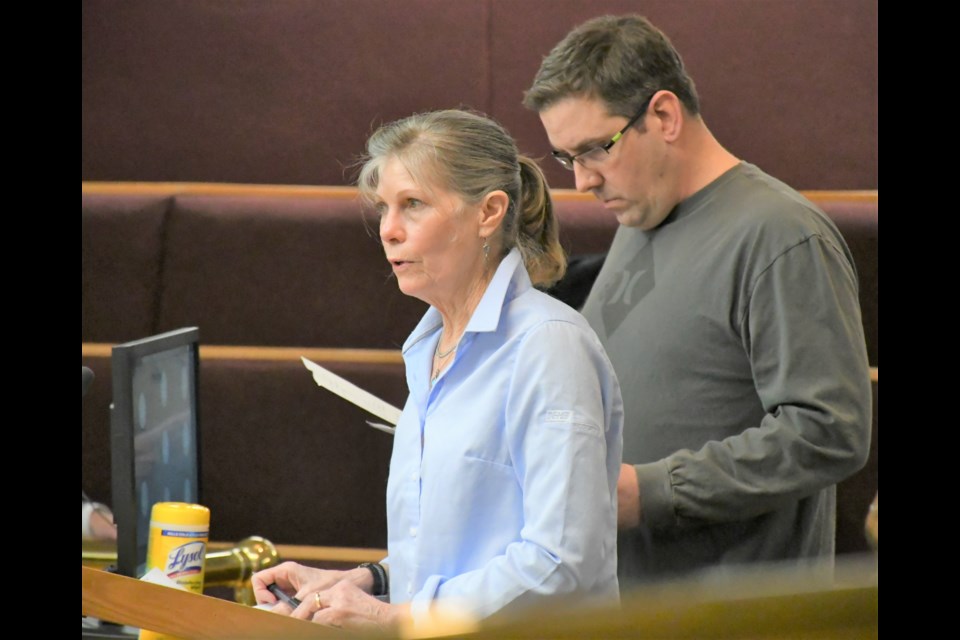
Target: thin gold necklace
(442, 355)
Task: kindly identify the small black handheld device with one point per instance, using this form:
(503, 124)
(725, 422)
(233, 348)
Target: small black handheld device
(281, 595)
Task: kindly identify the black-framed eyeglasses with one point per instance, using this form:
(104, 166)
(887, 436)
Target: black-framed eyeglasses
(596, 155)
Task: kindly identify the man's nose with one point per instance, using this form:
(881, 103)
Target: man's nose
(585, 179)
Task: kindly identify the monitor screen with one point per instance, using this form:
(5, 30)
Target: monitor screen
(154, 435)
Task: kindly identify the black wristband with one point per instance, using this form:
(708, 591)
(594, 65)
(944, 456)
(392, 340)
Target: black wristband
(379, 574)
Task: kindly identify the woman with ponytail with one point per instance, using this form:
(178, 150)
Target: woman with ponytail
(503, 479)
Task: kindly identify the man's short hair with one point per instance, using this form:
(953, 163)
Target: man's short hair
(622, 60)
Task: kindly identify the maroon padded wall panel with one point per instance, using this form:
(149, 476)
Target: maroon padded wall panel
(287, 92)
(281, 271)
(120, 249)
(265, 92)
(292, 462)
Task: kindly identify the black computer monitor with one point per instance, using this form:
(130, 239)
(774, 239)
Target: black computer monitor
(154, 435)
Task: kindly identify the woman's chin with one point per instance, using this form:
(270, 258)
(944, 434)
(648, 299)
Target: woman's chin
(410, 287)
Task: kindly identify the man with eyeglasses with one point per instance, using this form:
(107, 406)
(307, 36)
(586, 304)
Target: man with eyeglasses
(728, 306)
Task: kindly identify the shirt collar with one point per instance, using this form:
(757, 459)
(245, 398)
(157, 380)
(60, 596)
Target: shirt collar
(510, 280)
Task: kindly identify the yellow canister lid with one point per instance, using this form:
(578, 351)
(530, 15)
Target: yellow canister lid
(180, 513)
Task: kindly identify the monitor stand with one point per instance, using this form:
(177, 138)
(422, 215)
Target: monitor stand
(94, 628)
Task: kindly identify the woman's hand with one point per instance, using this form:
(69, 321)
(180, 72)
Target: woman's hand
(101, 526)
(300, 581)
(348, 606)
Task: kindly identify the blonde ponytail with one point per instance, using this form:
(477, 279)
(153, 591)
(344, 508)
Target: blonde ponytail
(538, 233)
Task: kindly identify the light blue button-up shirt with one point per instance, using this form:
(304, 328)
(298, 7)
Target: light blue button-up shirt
(503, 479)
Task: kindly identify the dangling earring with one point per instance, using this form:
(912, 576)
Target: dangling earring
(486, 250)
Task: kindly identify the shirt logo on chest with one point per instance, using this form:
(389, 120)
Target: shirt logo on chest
(625, 289)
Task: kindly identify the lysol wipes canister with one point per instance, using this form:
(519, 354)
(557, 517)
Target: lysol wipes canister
(178, 542)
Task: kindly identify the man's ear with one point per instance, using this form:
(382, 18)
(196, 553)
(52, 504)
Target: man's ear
(668, 110)
(493, 208)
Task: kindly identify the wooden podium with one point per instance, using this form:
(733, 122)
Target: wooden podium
(757, 605)
(184, 614)
(761, 606)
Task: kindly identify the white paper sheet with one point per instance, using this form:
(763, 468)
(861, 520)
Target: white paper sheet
(354, 394)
